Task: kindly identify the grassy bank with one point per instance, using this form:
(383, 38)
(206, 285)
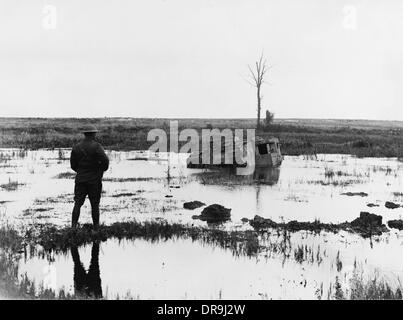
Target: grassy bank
(298, 137)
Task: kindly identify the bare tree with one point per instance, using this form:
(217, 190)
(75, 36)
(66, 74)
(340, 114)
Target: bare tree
(257, 74)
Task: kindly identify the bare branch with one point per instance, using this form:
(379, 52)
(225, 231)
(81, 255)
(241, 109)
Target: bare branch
(248, 81)
(253, 76)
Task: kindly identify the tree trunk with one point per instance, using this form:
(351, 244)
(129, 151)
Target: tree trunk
(258, 108)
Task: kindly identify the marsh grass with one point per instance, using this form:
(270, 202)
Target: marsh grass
(52, 238)
(66, 175)
(309, 254)
(132, 179)
(298, 136)
(362, 287)
(66, 198)
(124, 194)
(11, 185)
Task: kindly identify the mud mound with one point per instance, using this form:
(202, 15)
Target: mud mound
(214, 213)
(355, 194)
(396, 224)
(259, 222)
(368, 224)
(193, 205)
(391, 205)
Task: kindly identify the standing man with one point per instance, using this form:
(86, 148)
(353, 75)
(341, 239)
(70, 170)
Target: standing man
(89, 160)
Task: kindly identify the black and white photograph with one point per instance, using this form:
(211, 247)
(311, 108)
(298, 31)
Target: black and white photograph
(201, 150)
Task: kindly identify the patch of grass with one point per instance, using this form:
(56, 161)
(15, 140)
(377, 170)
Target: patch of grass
(65, 198)
(11, 185)
(367, 288)
(335, 183)
(66, 175)
(10, 239)
(132, 179)
(398, 195)
(52, 238)
(124, 194)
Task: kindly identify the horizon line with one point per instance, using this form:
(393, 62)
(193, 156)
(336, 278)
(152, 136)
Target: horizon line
(197, 118)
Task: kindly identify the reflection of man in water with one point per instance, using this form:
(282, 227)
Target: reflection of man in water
(87, 283)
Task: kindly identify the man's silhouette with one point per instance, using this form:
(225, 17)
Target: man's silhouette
(89, 160)
(87, 284)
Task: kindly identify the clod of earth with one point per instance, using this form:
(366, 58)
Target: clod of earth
(396, 224)
(245, 220)
(371, 205)
(391, 205)
(352, 194)
(193, 205)
(214, 213)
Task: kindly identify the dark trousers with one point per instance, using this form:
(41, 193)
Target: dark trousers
(81, 190)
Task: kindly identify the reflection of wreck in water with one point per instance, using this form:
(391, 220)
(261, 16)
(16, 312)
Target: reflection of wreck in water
(228, 176)
(268, 176)
(266, 153)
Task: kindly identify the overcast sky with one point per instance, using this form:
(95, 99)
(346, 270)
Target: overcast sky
(188, 58)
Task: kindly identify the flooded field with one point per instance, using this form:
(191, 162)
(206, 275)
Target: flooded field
(36, 188)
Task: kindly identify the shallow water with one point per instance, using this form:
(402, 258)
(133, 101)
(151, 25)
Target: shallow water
(299, 190)
(182, 269)
(137, 186)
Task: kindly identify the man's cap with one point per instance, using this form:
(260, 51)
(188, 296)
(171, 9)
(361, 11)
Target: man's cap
(89, 129)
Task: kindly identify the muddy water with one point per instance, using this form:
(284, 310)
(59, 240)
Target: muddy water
(147, 186)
